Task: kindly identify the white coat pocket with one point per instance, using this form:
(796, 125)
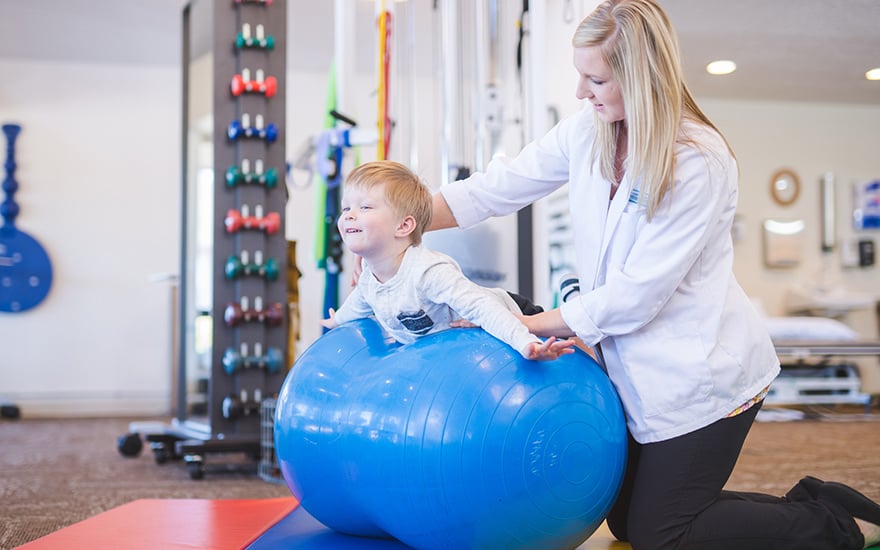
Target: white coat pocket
(667, 366)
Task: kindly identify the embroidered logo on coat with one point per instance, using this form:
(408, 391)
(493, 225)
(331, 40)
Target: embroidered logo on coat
(419, 323)
(634, 196)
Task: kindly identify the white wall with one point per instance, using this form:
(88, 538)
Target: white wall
(99, 169)
(99, 173)
(811, 139)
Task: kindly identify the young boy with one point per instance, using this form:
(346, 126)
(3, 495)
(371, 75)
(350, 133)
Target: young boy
(411, 290)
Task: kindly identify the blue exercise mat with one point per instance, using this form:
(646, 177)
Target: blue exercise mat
(302, 531)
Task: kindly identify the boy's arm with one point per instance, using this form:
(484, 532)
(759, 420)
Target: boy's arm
(444, 283)
(354, 306)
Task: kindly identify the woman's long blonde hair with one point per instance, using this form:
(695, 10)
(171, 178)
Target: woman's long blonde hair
(640, 47)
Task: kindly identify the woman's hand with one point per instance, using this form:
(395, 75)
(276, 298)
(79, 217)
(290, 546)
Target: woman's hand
(549, 349)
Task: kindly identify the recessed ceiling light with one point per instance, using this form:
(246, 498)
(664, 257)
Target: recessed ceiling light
(721, 67)
(873, 74)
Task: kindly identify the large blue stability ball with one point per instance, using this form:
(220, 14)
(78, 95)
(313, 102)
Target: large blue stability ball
(454, 441)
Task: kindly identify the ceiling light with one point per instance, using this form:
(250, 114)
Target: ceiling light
(873, 74)
(721, 67)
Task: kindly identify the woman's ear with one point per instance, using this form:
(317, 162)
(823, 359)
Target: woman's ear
(406, 227)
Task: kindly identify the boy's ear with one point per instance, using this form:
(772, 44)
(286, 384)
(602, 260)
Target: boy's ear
(406, 227)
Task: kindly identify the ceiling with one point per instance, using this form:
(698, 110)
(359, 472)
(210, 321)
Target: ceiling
(788, 50)
(801, 50)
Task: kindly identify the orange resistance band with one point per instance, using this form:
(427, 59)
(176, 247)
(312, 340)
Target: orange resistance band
(384, 122)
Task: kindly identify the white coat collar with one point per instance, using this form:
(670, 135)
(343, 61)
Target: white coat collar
(610, 214)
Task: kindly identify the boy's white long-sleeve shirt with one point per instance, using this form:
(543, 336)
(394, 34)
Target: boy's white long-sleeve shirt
(427, 293)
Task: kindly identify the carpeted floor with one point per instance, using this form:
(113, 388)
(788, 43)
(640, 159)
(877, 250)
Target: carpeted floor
(54, 473)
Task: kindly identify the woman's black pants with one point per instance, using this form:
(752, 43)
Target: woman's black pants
(672, 497)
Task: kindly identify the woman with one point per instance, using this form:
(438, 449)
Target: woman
(653, 191)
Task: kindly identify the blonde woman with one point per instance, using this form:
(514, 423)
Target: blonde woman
(653, 191)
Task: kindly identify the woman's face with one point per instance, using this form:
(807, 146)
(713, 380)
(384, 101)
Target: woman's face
(596, 84)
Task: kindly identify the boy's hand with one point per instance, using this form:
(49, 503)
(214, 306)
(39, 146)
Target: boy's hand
(549, 349)
(330, 323)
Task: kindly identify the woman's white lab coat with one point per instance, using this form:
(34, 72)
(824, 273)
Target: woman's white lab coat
(681, 341)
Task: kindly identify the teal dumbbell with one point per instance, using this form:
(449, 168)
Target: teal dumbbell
(238, 266)
(240, 175)
(244, 39)
(236, 361)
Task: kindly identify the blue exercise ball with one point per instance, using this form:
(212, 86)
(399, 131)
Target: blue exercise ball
(453, 441)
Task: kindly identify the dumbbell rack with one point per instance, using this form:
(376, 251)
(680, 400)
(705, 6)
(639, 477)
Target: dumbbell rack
(249, 320)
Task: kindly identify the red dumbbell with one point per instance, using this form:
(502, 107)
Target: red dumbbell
(237, 220)
(242, 83)
(236, 314)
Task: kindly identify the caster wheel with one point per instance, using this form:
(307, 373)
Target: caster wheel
(160, 454)
(196, 470)
(130, 445)
(195, 465)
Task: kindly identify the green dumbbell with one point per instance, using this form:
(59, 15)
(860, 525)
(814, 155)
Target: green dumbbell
(236, 361)
(238, 266)
(239, 175)
(244, 39)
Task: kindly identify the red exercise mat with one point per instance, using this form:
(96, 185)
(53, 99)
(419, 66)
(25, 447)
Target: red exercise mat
(167, 524)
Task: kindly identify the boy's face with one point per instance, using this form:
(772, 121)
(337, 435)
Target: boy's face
(367, 224)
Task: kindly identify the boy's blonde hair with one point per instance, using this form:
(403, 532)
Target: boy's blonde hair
(404, 191)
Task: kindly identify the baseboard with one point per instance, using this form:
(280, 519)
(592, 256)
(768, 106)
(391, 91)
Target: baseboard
(89, 406)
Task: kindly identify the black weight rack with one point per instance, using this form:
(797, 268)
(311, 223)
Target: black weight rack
(232, 354)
